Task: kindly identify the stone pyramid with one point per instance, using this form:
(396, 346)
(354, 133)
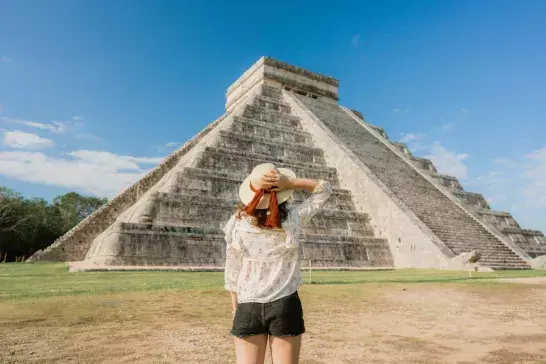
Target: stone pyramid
(389, 209)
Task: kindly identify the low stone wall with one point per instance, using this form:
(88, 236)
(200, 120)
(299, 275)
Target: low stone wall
(74, 245)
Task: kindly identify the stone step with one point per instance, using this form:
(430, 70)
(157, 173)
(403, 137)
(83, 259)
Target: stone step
(271, 92)
(504, 267)
(519, 230)
(469, 240)
(494, 259)
(502, 262)
(164, 245)
(458, 230)
(402, 148)
(380, 130)
(205, 183)
(498, 219)
(272, 104)
(456, 225)
(472, 199)
(270, 116)
(237, 177)
(227, 159)
(144, 244)
(532, 242)
(424, 164)
(492, 254)
(340, 251)
(271, 131)
(477, 245)
(258, 145)
(450, 182)
(184, 210)
(494, 213)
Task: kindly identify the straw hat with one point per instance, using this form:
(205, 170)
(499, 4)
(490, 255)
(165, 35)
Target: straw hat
(245, 191)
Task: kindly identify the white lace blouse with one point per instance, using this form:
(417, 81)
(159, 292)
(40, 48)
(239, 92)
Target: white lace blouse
(262, 265)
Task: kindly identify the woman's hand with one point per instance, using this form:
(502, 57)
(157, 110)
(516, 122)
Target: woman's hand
(275, 179)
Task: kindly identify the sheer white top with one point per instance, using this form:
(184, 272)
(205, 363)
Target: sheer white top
(262, 265)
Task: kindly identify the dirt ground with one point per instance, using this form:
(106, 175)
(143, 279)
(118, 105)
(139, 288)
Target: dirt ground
(459, 323)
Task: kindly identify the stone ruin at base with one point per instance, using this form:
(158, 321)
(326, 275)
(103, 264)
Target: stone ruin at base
(388, 209)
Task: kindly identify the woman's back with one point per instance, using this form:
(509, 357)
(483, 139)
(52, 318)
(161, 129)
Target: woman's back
(262, 265)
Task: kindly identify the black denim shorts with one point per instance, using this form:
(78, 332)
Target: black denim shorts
(282, 317)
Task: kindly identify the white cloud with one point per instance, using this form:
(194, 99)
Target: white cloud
(77, 118)
(412, 137)
(502, 161)
(6, 59)
(446, 161)
(147, 160)
(466, 111)
(355, 40)
(20, 140)
(516, 185)
(534, 174)
(167, 146)
(57, 127)
(97, 172)
(447, 127)
(395, 110)
(496, 198)
(88, 136)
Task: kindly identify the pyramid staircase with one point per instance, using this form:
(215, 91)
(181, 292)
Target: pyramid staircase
(457, 228)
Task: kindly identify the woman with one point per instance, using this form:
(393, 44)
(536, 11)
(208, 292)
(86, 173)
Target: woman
(262, 263)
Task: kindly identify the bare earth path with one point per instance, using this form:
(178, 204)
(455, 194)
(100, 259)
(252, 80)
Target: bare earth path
(346, 323)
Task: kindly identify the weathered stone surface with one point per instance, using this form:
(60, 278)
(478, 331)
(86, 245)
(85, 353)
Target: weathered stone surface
(467, 258)
(539, 263)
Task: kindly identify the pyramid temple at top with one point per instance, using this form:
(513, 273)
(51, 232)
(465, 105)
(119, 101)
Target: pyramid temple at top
(388, 208)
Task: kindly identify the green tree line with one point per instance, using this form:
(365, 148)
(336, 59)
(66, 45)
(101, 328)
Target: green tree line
(28, 225)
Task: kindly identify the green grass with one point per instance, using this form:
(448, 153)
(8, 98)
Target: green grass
(22, 280)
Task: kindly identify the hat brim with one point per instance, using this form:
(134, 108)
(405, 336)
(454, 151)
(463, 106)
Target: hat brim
(246, 194)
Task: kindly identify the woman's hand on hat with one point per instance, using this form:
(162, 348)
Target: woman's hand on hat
(275, 179)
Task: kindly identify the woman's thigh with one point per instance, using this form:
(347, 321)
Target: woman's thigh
(250, 349)
(285, 349)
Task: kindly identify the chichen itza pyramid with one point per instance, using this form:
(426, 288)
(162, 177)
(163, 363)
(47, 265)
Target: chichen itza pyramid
(389, 208)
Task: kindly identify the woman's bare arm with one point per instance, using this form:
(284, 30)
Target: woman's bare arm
(308, 185)
(274, 178)
(233, 301)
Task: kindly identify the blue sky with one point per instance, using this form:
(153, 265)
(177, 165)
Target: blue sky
(95, 93)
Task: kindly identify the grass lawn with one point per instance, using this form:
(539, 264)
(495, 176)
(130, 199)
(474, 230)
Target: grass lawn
(23, 280)
(48, 315)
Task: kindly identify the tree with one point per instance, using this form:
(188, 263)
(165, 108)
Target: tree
(12, 218)
(74, 207)
(27, 225)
